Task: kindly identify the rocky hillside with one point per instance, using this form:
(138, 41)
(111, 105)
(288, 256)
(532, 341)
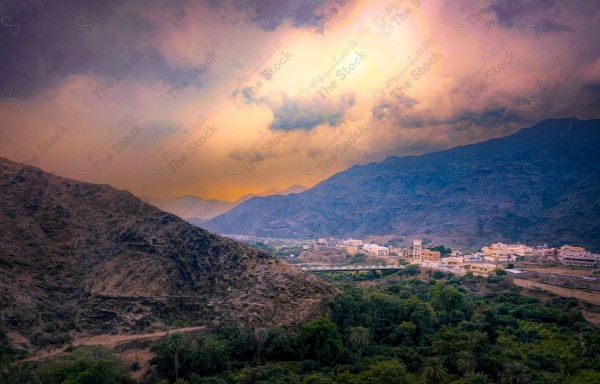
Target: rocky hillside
(539, 185)
(79, 255)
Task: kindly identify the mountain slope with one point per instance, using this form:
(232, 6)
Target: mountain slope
(540, 184)
(195, 210)
(90, 256)
(193, 207)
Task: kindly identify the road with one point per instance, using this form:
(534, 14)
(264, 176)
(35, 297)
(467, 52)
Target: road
(352, 268)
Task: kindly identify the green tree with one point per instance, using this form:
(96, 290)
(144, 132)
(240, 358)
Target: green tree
(18, 373)
(260, 335)
(442, 250)
(266, 374)
(514, 373)
(359, 337)
(278, 345)
(175, 341)
(434, 371)
(475, 378)
(466, 362)
(586, 376)
(452, 341)
(405, 332)
(384, 372)
(446, 301)
(351, 309)
(211, 356)
(320, 340)
(317, 378)
(241, 341)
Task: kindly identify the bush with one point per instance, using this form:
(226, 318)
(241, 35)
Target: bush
(89, 365)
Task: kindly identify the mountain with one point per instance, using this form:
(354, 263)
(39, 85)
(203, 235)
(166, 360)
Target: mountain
(192, 207)
(196, 210)
(296, 188)
(538, 185)
(80, 255)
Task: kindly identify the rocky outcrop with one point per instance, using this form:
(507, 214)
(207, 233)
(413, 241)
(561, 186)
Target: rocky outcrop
(80, 255)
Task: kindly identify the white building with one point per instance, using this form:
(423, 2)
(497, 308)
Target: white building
(376, 250)
(578, 257)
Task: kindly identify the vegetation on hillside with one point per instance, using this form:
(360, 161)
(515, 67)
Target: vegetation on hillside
(446, 330)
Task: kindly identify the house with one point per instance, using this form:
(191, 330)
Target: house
(376, 250)
(481, 269)
(431, 256)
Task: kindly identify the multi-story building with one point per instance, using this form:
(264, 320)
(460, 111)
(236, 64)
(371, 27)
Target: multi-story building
(481, 269)
(417, 248)
(507, 252)
(431, 256)
(571, 248)
(459, 261)
(578, 257)
(543, 252)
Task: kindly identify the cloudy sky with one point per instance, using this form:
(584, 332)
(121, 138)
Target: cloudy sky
(222, 98)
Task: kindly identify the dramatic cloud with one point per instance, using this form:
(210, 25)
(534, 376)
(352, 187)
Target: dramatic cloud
(223, 98)
(297, 114)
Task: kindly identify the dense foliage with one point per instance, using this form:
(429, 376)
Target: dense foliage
(89, 365)
(447, 330)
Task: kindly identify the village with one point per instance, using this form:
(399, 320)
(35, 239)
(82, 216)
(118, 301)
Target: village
(481, 263)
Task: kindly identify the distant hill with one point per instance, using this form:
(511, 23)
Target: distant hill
(196, 210)
(79, 255)
(539, 185)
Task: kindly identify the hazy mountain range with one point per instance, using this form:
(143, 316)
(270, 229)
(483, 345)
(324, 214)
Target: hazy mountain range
(196, 210)
(538, 185)
(89, 256)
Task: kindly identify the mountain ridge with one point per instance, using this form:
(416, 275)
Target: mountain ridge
(454, 193)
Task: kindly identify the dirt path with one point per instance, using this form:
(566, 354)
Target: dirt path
(108, 341)
(592, 317)
(111, 341)
(593, 272)
(590, 297)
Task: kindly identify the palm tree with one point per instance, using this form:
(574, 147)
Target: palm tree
(514, 373)
(435, 371)
(175, 341)
(476, 378)
(260, 334)
(359, 338)
(465, 362)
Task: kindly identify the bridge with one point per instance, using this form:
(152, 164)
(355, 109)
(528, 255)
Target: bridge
(354, 268)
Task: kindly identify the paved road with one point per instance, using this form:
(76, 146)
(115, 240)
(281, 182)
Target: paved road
(354, 268)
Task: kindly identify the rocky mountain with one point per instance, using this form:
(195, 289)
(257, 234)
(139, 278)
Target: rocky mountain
(196, 210)
(538, 185)
(80, 255)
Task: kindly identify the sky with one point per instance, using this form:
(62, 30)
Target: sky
(219, 99)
